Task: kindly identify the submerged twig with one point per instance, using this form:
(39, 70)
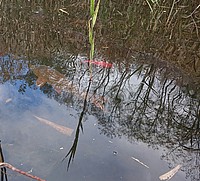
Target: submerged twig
(192, 12)
(170, 13)
(149, 5)
(7, 165)
(140, 162)
(62, 10)
(196, 27)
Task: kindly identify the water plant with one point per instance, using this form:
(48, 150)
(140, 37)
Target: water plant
(93, 17)
(91, 23)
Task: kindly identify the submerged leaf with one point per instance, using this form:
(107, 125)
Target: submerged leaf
(40, 81)
(170, 174)
(60, 83)
(62, 129)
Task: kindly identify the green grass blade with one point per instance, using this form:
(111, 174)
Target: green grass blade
(92, 7)
(92, 50)
(94, 17)
(90, 32)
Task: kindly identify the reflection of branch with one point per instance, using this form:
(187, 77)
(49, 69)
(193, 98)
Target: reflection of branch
(102, 81)
(73, 148)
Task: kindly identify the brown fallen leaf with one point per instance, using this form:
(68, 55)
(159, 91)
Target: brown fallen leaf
(170, 174)
(40, 81)
(60, 83)
(62, 129)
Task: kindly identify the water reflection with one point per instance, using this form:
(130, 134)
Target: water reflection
(144, 98)
(146, 106)
(140, 104)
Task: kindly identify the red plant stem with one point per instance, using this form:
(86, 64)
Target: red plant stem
(7, 165)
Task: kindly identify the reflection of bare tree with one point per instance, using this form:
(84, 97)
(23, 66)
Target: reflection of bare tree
(12, 68)
(141, 103)
(189, 159)
(155, 111)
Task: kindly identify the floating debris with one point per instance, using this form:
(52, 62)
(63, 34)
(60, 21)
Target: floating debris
(8, 100)
(140, 162)
(99, 63)
(30, 171)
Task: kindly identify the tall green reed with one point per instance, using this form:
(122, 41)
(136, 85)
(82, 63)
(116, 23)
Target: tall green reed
(91, 23)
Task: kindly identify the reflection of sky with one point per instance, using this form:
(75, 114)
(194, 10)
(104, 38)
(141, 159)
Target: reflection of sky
(11, 97)
(95, 159)
(11, 67)
(29, 144)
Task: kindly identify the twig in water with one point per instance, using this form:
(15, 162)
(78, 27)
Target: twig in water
(7, 165)
(192, 12)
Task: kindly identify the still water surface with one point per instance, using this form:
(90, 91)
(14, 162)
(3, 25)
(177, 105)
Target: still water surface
(106, 145)
(134, 121)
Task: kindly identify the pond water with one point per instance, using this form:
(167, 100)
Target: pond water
(136, 120)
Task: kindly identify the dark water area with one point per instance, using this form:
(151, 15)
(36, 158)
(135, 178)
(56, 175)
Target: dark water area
(135, 120)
